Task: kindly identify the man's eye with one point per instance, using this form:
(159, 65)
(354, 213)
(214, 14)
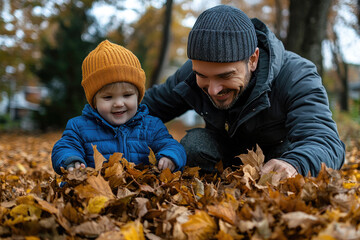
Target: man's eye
(200, 76)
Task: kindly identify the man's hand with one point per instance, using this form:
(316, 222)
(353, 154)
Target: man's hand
(284, 169)
(165, 162)
(75, 165)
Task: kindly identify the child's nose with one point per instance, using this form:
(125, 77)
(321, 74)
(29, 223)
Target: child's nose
(118, 102)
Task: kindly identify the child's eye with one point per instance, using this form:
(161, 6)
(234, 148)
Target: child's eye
(128, 94)
(107, 97)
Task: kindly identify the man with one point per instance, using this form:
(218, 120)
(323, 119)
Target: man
(249, 90)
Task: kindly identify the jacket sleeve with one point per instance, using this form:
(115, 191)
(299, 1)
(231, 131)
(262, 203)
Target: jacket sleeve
(164, 145)
(69, 148)
(312, 132)
(163, 102)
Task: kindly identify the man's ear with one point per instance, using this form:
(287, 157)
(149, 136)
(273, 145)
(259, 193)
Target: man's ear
(254, 59)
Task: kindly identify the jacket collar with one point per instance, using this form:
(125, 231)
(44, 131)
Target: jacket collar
(91, 113)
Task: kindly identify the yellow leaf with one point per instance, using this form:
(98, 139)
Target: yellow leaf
(199, 226)
(12, 178)
(21, 168)
(349, 185)
(152, 158)
(324, 237)
(31, 238)
(96, 204)
(223, 236)
(25, 210)
(133, 231)
(23, 213)
(28, 199)
(98, 158)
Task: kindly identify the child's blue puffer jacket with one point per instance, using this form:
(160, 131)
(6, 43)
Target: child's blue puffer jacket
(133, 139)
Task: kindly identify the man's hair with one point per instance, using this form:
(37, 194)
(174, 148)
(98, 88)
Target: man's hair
(222, 34)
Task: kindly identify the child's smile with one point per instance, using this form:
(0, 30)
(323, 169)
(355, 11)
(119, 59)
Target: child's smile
(117, 103)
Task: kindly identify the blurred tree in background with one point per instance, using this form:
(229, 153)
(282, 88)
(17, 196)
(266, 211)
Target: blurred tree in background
(59, 68)
(43, 42)
(20, 25)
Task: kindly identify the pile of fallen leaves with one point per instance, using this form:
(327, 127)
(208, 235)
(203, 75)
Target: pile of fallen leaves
(118, 200)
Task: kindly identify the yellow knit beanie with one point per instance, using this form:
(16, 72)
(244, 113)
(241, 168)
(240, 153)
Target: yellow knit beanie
(110, 63)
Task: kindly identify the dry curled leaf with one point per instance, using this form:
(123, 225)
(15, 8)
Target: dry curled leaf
(124, 201)
(200, 226)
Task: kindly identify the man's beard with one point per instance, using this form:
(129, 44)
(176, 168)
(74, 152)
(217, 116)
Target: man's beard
(226, 107)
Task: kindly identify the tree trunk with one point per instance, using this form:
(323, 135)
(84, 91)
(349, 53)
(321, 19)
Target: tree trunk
(155, 76)
(342, 72)
(307, 29)
(358, 14)
(278, 19)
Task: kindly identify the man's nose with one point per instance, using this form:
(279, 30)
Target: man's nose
(214, 87)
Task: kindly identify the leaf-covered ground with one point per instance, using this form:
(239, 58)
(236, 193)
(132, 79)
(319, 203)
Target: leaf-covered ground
(120, 201)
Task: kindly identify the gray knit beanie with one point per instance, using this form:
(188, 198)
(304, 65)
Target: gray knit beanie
(222, 34)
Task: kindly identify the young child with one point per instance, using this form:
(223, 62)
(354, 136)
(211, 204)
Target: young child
(114, 120)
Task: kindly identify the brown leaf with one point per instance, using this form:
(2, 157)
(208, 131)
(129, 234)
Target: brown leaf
(111, 235)
(142, 207)
(98, 158)
(271, 178)
(146, 188)
(115, 174)
(167, 176)
(94, 228)
(115, 158)
(199, 188)
(71, 214)
(46, 206)
(191, 172)
(114, 170)
(101, 186)
(223, 236)
(86, 191)
(254, 159)
(224, 211)
(180, 213)
(250, 175)
(152, 158)
(229, 229)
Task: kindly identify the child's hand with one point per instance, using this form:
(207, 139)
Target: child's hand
(76, 165)
(164, 162)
